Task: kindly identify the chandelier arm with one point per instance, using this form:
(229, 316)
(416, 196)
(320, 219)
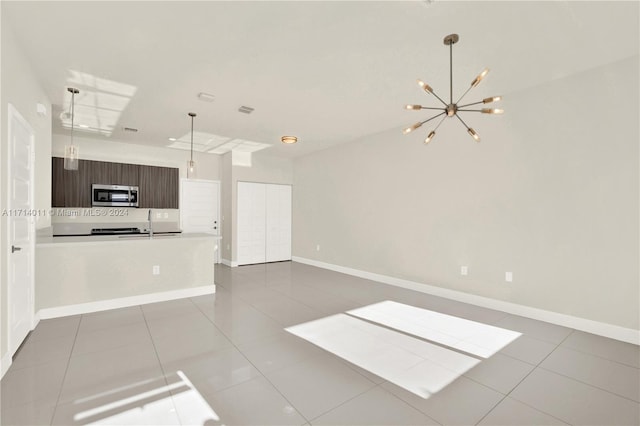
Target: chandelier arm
(436, 108)
(474, 103)
(441, 121)
(464, 94)
(439, 98)
(435, 116)
(465, 124)
(470, 110)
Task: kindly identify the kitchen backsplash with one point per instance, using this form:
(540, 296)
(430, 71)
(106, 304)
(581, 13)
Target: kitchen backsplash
(80, 221)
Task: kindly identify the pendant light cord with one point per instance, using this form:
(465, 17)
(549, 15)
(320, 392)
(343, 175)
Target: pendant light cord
(73, 111)
(192, 138)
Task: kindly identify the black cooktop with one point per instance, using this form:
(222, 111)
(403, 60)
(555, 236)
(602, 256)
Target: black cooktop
(114, 231)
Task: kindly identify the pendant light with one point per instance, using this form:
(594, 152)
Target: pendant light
(191, 165)
(452, 109)
(71, 151)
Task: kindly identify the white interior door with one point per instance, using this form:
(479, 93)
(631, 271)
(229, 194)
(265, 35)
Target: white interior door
(21, 226)
(200, 207)
(278, 222)
(251, 217)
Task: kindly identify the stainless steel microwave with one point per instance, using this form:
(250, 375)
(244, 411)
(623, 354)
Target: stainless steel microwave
(114, 195)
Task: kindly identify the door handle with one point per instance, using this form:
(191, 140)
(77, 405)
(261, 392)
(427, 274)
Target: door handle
(15, 249)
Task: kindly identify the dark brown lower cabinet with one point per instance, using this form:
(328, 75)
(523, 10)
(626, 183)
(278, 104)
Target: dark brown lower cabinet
(158, 186)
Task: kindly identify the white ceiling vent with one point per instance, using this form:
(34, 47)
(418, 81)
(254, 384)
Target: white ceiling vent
(245, 109)
(206, 97)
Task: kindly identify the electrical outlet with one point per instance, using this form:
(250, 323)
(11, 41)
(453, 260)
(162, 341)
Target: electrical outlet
(464, 270)
(318, 247)
(158, 215)
(156, 269)
(508, 277)
(165, 215)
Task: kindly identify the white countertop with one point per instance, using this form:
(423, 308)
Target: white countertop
(47, 241)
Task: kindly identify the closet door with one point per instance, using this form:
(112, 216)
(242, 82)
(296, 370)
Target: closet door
(251, 234)
(278, 223)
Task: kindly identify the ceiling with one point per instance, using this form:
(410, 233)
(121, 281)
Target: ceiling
(327, 72)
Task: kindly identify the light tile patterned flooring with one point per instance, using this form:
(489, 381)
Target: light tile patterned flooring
(226, 359)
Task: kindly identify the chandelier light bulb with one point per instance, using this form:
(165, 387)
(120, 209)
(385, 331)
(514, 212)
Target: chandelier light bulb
(431, 135)
(425, 86)
(492, 111)
(479, 78)
(492, 99)
(411, 128)
(413, 107)
(473, 134)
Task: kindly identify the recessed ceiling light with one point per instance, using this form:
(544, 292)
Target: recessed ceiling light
(289, 139)
(172, 139)
(84, 126)
(206, 97)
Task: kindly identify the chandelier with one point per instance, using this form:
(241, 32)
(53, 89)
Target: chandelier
(452, 109)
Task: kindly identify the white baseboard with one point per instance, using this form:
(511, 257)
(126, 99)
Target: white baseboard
(229, 263)
(5, 363)
(123, 302)
(600, 328)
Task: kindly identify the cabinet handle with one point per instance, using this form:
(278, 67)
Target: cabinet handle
(15, 249)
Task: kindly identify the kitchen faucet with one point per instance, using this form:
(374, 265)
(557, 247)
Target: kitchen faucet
(150, 219)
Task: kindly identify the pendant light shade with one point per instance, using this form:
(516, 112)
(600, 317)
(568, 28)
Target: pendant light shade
(71, 151)
(191, 165)
(453, 108)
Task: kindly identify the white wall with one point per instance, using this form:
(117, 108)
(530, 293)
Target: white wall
(551, 194)
(208, 165)
(227, 189)
(21, 88)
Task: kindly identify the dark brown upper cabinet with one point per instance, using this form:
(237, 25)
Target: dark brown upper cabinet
(158, 186)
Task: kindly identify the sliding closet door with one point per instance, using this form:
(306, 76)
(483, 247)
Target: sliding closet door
(251, 234)
(278, 223)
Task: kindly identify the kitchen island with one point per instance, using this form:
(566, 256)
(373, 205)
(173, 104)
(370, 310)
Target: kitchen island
(76, 275)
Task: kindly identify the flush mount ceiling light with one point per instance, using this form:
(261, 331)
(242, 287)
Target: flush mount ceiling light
(191, 165)
(289, 139)
(452, 109)
(71, 151)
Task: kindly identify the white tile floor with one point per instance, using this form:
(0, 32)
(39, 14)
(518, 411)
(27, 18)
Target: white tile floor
(227, 359)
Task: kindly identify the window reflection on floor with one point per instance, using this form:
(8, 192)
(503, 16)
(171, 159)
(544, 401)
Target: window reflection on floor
(152, 401)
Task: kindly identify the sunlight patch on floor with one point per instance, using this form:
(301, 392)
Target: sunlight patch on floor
(464, 335)
(151, 401)
(417, 365)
